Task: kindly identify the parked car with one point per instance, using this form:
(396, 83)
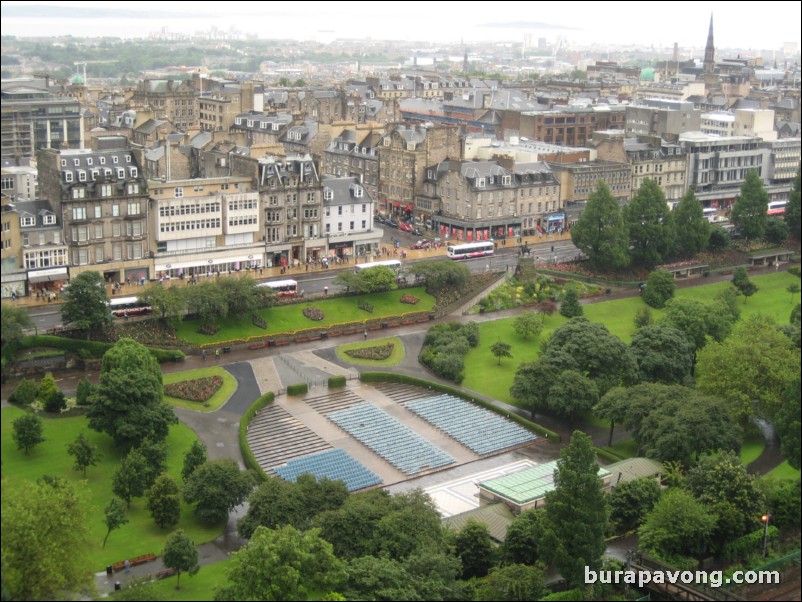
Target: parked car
(391, 222)
(405, 227)
(380, 219)
(417, 231)
(421, 244)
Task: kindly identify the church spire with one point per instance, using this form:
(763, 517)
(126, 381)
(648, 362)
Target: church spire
(710, 50)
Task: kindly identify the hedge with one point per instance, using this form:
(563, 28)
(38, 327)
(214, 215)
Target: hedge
(297, 389)
(336, 381)
(608, 455)
(570, 594)
(749, 543)
(255, 407)
(92, 348)
(441, 388)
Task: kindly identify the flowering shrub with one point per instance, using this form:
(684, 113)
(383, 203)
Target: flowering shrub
(208, 329)
(313, 313)
(379, 352)
(411, 299)
(197, 389)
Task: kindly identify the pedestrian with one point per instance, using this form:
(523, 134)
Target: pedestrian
(127, 566)
(366, 335)
(203, 354)
(217, 354)
(325, 290)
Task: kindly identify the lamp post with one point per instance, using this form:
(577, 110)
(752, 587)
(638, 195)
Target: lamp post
(765, 519)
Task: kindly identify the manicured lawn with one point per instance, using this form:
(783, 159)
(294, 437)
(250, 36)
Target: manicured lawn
(626, 448)
(140, 535)
(199, 587)
(395, 357)
(218, 399)
(290, 318)
(784, 472)
(752, 447)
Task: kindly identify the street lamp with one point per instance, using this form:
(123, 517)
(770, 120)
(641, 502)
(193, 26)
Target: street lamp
(765, 519)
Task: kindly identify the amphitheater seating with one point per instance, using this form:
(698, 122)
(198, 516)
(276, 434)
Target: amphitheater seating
(335, 464)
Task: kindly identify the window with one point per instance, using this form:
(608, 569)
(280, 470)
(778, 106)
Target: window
(351, 226)
(120, 173)
(78, 213)
(116, 229)
(134, 209)
(82, 176)
(179, 192)
(49, 219)
(98, 230)
(364, 207)
(115, 159)
(68, 176)
(364, 224)
(28, 221)
(97, 211)
(105, 190)
(133, 189)
(115, 210)
(102, 160)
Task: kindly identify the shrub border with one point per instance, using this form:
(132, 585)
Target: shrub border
(420, 382)
(298, 389)
(336, 381)
(95, 348)
(247, 456)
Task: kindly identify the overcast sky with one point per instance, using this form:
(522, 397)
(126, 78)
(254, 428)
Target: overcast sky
(755, 25)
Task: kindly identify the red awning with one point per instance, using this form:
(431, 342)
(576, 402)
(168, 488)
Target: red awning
(396, 204)
(410, 208)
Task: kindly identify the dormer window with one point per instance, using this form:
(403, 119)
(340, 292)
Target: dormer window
(238, 121)
(506, 180)
(410, 146)
(107, 172)
(68, 176)
(250, 123)
(89, 161)
(492, 180)
(27, 220)
(115, 159)
(64, 163)
(328, 194)
(480, 182)
(357, 191)
(95, 174)
(275, 126)
(76, 162)
(264, 125)
(102, 160)
(120, 173)
(49, 219)
(127, 158)
(82, 176)
(133, 171)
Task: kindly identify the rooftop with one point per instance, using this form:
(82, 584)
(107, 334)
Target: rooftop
(529, 484)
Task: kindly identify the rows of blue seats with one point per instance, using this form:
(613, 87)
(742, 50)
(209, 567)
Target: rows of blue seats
(399, 445)
(478, 429)
(334, 464)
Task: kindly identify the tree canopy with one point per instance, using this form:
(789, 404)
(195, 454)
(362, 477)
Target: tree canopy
(181, 554)
(659, 288)
(441, 274)
(164, 502)
(650, 225)
(376, 279)
(215, 488)
(679, 526)
(86, 304)
(84, 452)
(529, 323)
(789, 425)
(691, 228)
(167, 301)
(28, 432)
(663, 354)
(793, 210)
(749, 213)
(601, 232)
(14, 321)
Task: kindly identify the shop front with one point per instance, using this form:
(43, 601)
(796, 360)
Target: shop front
(199, 267)
(44, 283)
(14, 285)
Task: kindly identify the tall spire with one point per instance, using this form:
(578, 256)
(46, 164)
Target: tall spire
(710, 51)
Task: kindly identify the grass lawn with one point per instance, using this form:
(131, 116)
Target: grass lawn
(395, 357)
(140, 535)
(785, 472)
(289, 318)
(626, 448)
(199, 587)
(752, 447)
(223, 393)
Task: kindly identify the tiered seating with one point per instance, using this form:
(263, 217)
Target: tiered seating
(477, 429)
(334, 464)
(403, 448)
(275, 436)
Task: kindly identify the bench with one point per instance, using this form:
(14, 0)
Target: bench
(166, 573)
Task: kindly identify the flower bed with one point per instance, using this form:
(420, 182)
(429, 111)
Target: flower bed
(410, 299)
(208, 329)
(198, 389)
(313, 313)
(379, 352)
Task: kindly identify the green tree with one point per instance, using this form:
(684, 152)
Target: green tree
(529, 323)
(569, 305)
(84, 452)
(678, 526)
(44, 543)
(631, 501)
(793, 211)
(216, 488)
(726, 302)
(15, 320)
(576, 512)
(741, 282)
(114, 517)
(697, 321)
(351, 528)
(25, 393)
(84, 392)
(532, 380)
(793, 288)
(378, 578)
(751, 370)
(789, 425)
(474, 547)
(659, 289)
(571, 394)
(168, 302)
(650, 225)
(155, 454)
(500, 349)
(128, 404)
(601, 233)
(719, 239)
(130, 480)
(181, 554)
(27, 432)
(776, 231)
(50, 395)
(412, 524)
(195, 456)
(522, 543)
(243, 295)
(643, 317)
(207, 301)
(691, 228)
(663, 354)
(513, 582)
(86, 305)
(164, 502)
(751, 207)
(442, 274)
(375, 280)
(282, 564)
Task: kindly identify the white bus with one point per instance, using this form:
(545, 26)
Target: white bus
(777, 208)
(471, 250)
(283, 288)
(393, 264)
(121, 307)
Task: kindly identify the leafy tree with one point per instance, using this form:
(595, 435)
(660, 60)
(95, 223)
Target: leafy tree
(726, 302)
(114, 517)
(659, 288)
(631, 501)
(751, 207)
(741, 282)
(643, 317)
(282, 564)
(15, 320)
(195, 456)
(84, 392)
(50, 395)
(663, 354)
(513, 582)
(129, 402)
(721, 483)
(411, 525)
(569, 306)
(243, 295)
(691, 228)
(776, 231)
(793, 288)
(167, 301)
(474, 547)
(376, 279)
(576, 512)
(789, 424)
(207, 301)
(28, 431)
(678, 526)
(378, 578)
(181, 554)
(442, 274)
(751, 370)
(793, 212)
(571, 394)
(500, 349)
(784, 502)
(84, 452)
(697, 320)
(25, 393)
(601, 233)
(650, 225)
(164, 502)
(521, 545)
(528, 324)
(532, 380)
(86, 305)
(719, 239)
(351, 528)
(216, 488)
(130, 480)
(155, 454)
(44, 543)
